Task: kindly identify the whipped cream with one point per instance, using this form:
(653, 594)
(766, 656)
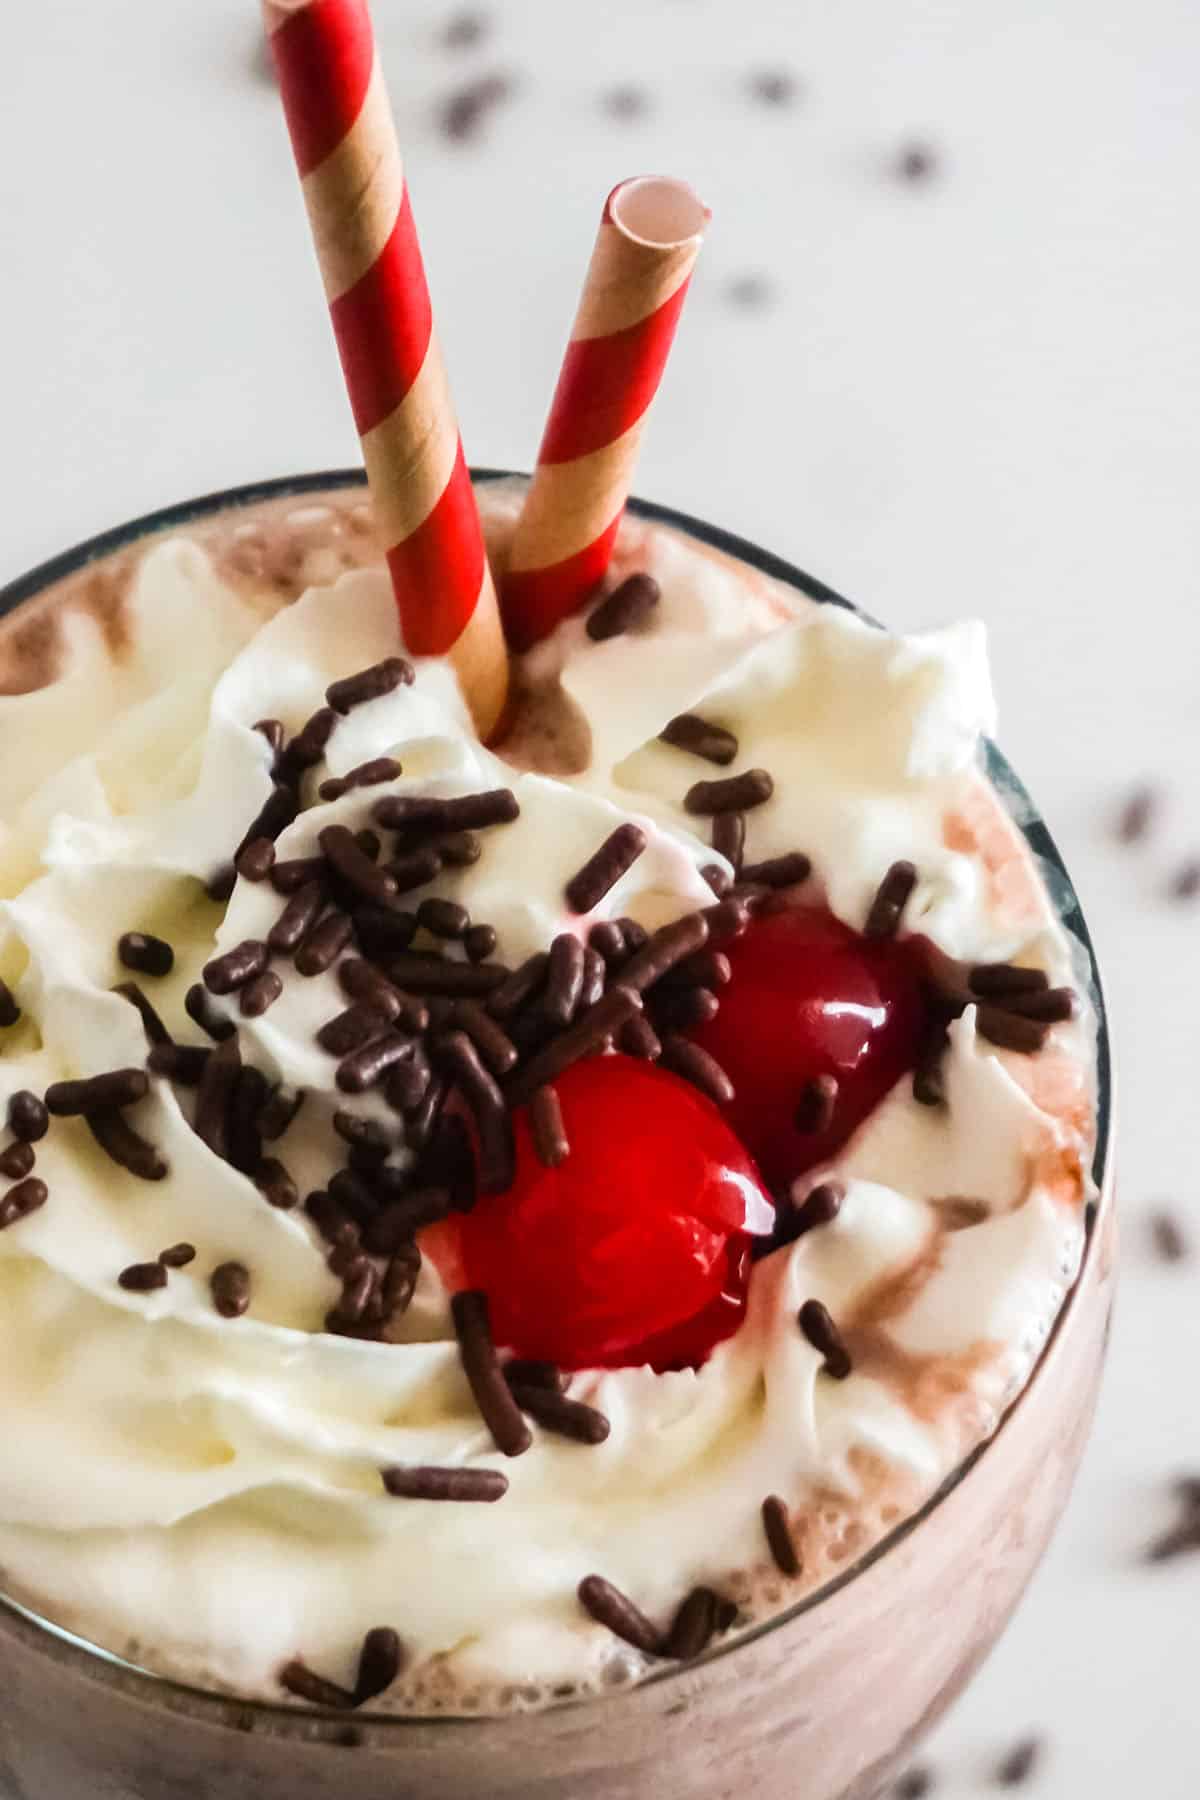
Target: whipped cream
(203, 1495)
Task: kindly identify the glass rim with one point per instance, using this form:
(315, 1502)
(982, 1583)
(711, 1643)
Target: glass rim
(102, 1664)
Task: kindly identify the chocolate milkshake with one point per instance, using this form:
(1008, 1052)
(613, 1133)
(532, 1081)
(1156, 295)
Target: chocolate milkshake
(550, 1237)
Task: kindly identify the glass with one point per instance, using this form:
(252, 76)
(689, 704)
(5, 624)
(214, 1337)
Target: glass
(825, 1701)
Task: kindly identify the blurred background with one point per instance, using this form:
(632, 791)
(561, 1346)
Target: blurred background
(941, 350)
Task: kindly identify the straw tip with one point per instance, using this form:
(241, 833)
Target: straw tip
(659, 211)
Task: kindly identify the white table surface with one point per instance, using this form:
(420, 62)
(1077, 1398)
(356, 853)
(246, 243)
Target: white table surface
(977, 394)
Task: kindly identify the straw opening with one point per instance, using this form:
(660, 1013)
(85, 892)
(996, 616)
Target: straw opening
(658, 211)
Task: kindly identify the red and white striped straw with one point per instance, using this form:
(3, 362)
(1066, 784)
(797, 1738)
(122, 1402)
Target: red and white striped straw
(344, 138)
(650, 236)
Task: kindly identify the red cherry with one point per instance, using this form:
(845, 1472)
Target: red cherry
(635, 1248)
(809, 997)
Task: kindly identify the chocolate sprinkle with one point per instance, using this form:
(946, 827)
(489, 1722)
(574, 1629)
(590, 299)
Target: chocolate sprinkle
(1009, 1031)
(362, 1069)
(370, 684)
(125, 1146)
(368, 774)
(605, 867)
(393, 1228)
(184, 1064)
(660, 953)
(555, 1413)
(497, 1157)
(215, 1098)
(351, 1029)
(256, 860)
(147, 955)
(221, 883)
(779, 1536)
(177, 1256)
(300, 1680)
(914, 1784)
(639, 1038)
(521, 1372)
(916, 162)
(694, 1625)
(627, 607)
(425, 975)
(277, 813)
(564, 980)
(355, 868)
(1018, 1765)
(280, 1109)
(1053, 1006)
(117, 1087)
(608, 940)
(594, 977)
(698, 1067)
(1002, 980)
(10, 1012)
(323, 944)
(259, 995)
(729, 838)
(28, 1117)
(426, 1483)
(443, 918)
(824, 1336)
(20, 1201)
(297, 918)
(726, 920)
(362, 981)
(464, 112)
(481, 1366)
(479, 941)
(519, 987)
(1168, 1236)
(610, 1607)
(887, 908)
(546, 1128)
(275, 1184)
(230, 1284)
(1184, 1536)
(588, 1033)
(788, 870)
(461, 849)
(682, 1010)
(626, 102)
(156, 1031)
(16, 1161)
(1138, 814)
(718, 879)
(289, 877)
(496, 1049)
(246, 1103)
(200, 1010)
(814, 1111)
(712, 742)
(820, 1206)
(143, 1278)
(736, 793)
(308, 746)
(225, 974)
(471, 812)
(379, 1662)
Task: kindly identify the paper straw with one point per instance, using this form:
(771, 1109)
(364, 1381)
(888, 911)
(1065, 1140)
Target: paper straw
(344, 139)
(650, 236)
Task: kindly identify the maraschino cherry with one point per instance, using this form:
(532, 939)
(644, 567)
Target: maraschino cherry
(633, 1250)
(809, 998)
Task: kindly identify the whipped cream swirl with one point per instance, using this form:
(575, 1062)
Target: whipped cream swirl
(203, 1495)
